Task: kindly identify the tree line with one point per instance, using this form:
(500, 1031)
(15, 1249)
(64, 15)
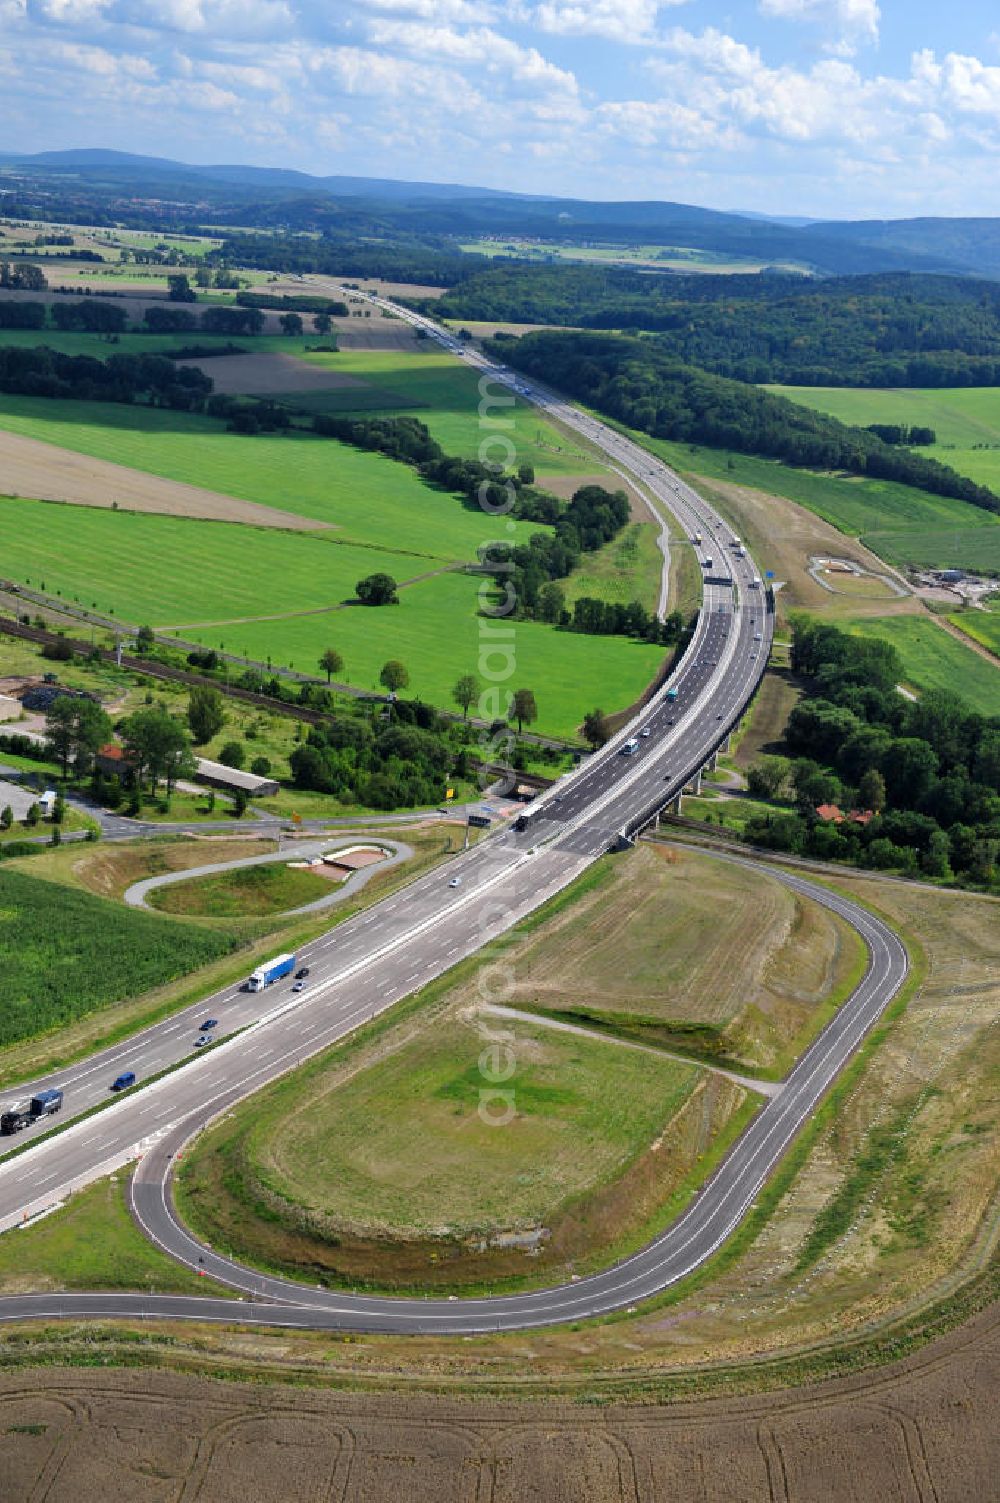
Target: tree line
(150, 379)
(928, 771)
(634, 380)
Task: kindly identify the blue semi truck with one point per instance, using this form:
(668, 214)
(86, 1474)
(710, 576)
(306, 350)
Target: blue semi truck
(271, 970)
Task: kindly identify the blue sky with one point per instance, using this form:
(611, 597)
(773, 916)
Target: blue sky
(837, 108)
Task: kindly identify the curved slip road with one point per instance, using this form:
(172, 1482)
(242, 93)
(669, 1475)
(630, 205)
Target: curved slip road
(715, 1211)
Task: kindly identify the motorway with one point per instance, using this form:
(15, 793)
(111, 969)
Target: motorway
(366, 964)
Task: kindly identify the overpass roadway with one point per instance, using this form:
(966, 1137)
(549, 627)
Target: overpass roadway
(364, 965)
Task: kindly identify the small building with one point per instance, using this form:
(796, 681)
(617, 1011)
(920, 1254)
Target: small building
(47, 801)
(229, 779)
(861, 816)
(112, 761)
(830, 814)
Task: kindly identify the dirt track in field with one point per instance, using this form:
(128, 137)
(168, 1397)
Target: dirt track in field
(919, 1431)
(46, 472)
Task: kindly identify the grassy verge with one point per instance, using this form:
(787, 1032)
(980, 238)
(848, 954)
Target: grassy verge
(92, 1243)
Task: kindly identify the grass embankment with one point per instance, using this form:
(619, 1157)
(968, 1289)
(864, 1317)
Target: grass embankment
(253, 892)
(379, 1165)
(66, 954)
(626, 569)
(221, 584)
(93, 1243)
(933, 659)
(674, 949)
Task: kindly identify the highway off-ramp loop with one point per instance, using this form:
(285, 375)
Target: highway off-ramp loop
(713, 1214)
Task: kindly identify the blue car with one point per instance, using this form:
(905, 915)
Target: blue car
(126, 1079)
(208, 1023)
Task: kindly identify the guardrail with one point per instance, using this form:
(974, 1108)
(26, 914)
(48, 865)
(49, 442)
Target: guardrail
(656, 806)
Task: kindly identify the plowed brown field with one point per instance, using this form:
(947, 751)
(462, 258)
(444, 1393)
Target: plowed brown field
(920, 1431)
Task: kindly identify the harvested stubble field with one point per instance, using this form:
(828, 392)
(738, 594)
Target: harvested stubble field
(920, 1429)
(674, 948)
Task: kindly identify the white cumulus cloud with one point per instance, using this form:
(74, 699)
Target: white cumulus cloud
(627, 21)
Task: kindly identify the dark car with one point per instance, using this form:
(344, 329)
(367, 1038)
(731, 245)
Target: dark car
(302, 973)
(208, 1023)
(125, 1079)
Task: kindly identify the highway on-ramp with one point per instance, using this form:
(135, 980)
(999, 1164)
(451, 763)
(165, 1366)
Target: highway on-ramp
(364, 965)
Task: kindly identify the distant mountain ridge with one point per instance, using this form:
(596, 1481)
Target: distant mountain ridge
(959, 246)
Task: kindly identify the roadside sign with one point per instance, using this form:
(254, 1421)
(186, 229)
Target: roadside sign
(449, 793)
(768, 573)
(296, 819)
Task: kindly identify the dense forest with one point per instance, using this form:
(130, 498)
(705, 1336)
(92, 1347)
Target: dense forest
(928, 771)
(636, 381)
(152, 379)
(888, 330)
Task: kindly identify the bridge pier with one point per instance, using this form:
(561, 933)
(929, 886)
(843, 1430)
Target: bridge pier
(693, 784)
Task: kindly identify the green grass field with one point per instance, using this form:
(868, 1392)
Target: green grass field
(900, 524)
(628, 568)
(93, 1243)
(676, 257)
(369, 499)
(982, 626)
(74, 343)
(965, 419)
(220, 572)
(932, 659)
(253, 892)
(65, 954)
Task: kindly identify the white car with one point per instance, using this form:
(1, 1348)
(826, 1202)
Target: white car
(455, 882)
